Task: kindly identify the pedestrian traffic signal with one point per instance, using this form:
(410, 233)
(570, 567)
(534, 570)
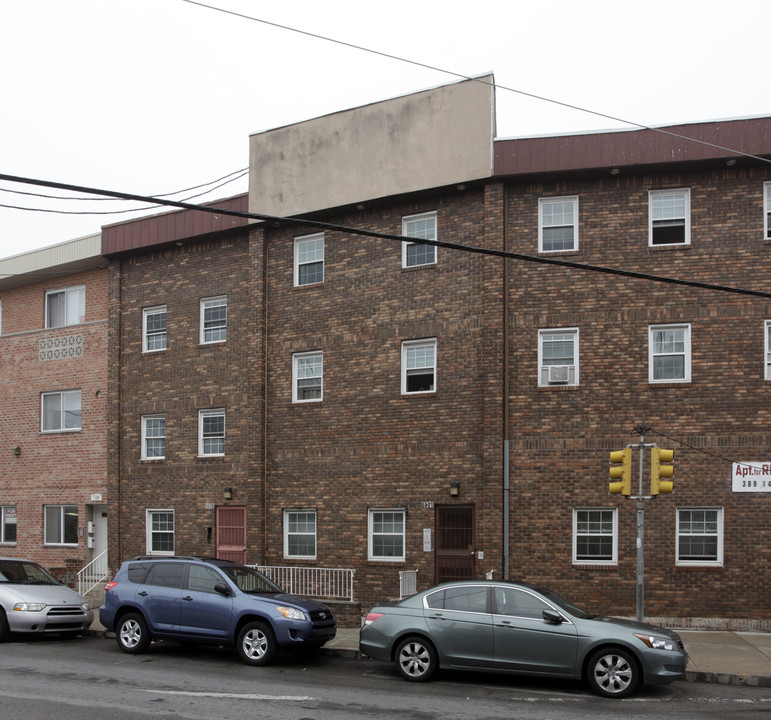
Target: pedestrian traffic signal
(658, 471)
(621, 474)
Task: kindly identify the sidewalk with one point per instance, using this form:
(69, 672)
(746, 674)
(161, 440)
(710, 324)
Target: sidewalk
(729, 658)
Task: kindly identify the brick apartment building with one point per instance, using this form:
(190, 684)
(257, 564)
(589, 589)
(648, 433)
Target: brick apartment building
(299, 394)
(53, 405)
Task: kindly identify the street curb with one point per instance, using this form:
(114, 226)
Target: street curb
(728, 678)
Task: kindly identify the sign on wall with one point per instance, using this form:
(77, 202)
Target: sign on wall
(751, 477)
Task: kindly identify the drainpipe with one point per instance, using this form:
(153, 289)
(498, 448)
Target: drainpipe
(506, 479)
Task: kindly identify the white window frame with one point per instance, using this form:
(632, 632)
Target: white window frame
(62, 512)
(300, 261)
(655, 215)
(221, 326)
(146, 312)
(571, 370)
(408, 364)
(542, 204)
(767, 211)
(298, 369)
(718, 535)
(149, 531)
(203, 435)
(371, 513)
(613, 534)
(75, 294)
(1, 317)
(408, 231)
(145, 419)
(686, 327)
(767, 349)
(5, 522)
(61, 394)
(288, 533)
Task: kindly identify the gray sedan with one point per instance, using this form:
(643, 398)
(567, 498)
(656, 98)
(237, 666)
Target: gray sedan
(519, 628)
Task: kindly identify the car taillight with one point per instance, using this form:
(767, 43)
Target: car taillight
(110, 585)
(371, 617)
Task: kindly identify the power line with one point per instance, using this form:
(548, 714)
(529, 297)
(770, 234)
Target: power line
(388, 236)
(463, 76)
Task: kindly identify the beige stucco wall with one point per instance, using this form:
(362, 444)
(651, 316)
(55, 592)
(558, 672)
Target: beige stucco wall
(427, 139)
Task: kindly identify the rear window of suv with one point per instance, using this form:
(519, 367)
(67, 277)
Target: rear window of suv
(137, 572)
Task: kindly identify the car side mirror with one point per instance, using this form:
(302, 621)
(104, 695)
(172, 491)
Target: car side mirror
(552, 617)
(221, 588)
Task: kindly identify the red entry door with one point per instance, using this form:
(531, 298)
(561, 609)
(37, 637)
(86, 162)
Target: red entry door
(454, 543)
(231, 534)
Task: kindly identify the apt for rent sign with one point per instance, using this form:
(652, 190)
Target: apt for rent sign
(751, 477)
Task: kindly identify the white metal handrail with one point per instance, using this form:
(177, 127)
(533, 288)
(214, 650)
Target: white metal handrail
(331, 583)
(93, 573)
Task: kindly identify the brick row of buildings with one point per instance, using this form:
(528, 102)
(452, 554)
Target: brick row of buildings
(297, 393)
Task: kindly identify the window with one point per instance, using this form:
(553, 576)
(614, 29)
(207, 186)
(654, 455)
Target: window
(211, 433)
(519, 603)
(300, 533)
(8, 524)
(461, 599)
(767, 353)
(669, 353)
(60, 411)
(386, 535)
(557, 224)
(558, 357)
(160, 532)
(422, 227)
(214, 320)
(202, 579)
(66, 307)
(595, 536)
(669, 217)
(767, 209)
(418, 366)
(61, 524)
(309, 259)
(307, 377)
(154, 329)
(153, 437)
(1, 317)
(700, 536)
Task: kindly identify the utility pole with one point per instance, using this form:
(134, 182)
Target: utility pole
(640, 594)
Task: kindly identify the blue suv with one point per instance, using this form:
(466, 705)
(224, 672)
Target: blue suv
(212, 602)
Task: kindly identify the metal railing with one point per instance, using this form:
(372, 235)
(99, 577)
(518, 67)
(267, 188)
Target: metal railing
(330, 583)
(93, 573)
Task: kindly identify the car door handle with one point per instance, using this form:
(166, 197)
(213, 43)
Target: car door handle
(142, 593)
(437, 617)
(188, 598)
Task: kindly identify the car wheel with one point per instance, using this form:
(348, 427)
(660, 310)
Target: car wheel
(5, 631)
(132, 634)
(613, 672)
(257, 644)
(416, 659)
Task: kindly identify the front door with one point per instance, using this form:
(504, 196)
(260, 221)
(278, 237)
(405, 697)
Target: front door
(231, 534)
(455, 544)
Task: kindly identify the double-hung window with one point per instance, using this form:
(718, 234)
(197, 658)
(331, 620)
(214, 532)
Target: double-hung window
(595, 536)
(419, 366)
(61, 411)
(8, 524)
(153, 437)
(309, 260)
(699, 536)
(214, 320)
(300, 534)
(61, 524)
(557, 224)
(669, 217)
(211, 433)
(154, 329)
(386, 534)
(669, 353)
(558, 357)
(160, 532)
(421, 227)
(66, 307)
(307, 377)
(767, 210)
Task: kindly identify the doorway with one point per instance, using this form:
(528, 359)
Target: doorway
(455, 543)
(231, 534)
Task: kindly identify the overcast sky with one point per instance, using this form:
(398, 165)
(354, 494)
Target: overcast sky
(155, 96)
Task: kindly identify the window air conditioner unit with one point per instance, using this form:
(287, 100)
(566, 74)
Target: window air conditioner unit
(559, 374)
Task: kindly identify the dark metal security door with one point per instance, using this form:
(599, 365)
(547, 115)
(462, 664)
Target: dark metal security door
(231, 534)
(455, 543)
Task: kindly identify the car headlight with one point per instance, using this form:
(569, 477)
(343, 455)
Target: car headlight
(291, 613)
(86, 606)
(28, 607)
(657, 642)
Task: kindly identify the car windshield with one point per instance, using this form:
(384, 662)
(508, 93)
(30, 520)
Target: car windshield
(249, 580)
(565, 604)
(19, 572)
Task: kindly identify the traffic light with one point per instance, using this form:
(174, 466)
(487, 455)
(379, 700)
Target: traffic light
(658, 471)
(621, 475)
